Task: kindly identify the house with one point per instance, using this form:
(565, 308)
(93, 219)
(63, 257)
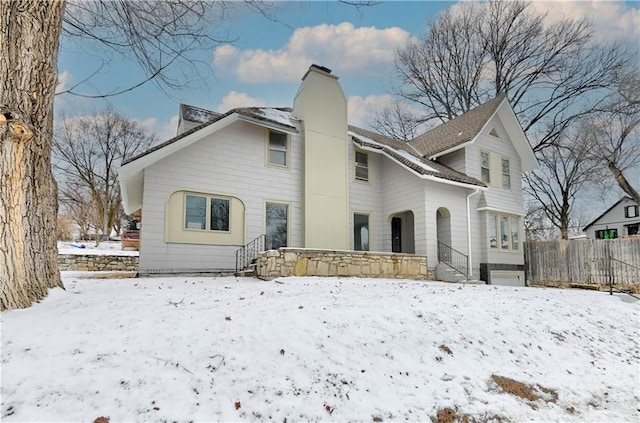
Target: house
(620, 220)
(305, 178)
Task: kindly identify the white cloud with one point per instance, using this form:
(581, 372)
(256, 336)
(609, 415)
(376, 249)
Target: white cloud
(63, 80)
(612, 20)
(343, 48)
(363, 109)
(235, 99)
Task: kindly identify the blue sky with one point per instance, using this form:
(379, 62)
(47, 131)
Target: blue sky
(264, 65)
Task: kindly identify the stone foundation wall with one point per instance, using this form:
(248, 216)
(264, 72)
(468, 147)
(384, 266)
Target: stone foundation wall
(96, 263)
(307, 262)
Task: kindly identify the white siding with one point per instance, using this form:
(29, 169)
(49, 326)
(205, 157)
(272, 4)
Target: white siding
(402, 190)
(231, 162)
(504, 200)
(498, 198)
(455, 160)
(366, 197)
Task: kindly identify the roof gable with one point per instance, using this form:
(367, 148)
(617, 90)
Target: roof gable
(131, 170)
(607, 212)
(458, 131)
(464, 129)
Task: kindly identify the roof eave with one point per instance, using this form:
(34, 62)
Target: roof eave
(420, 175)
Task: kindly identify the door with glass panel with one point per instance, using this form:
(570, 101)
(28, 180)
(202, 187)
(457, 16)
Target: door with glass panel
(276, 225)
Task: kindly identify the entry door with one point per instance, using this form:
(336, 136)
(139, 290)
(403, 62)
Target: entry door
(396, 235)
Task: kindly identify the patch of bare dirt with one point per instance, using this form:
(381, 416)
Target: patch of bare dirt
(449, 415)
(531, 393)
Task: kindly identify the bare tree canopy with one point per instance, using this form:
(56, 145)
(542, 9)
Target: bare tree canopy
(614, 131)
(566, 167)
(474, 51)
(86, 152)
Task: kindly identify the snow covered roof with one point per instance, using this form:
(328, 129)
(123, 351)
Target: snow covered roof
(196, 114)
(399, 152)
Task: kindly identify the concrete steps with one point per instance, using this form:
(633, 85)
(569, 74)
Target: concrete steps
(445, 273)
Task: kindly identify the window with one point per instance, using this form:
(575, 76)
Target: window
(503, 232)
(276, 224)
(633, 229)
(219, 214)
(362, 166)
(631, 211)
(196, 213)
(607, 234)
(506, 174)
(494, 133)
(278, 154)
(485, 173)
(361, 232)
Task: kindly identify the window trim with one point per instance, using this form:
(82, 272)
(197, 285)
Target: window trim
(488, 181)
(497, 218)
(361, 213)
(357, 165)
(508, 160)
(287, 149)
(207, 215)
(627, 209)
(264, 219)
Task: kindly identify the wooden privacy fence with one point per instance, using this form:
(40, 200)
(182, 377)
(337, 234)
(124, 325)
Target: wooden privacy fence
(601, 262)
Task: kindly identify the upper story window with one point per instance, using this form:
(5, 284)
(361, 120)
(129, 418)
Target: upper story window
(506, 174)
(278, 149)
(206, 213)
(631, 211)
(494, 133)
(485, 170)
(362, 166)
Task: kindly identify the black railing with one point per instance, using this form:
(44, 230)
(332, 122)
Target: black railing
(611, 282)
(453, 258)
(247, 254)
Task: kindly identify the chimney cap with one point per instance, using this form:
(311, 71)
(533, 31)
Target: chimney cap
(322, 68)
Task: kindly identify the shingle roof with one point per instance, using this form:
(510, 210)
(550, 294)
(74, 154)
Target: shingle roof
(196, 114)
(402, 153)
(457, 131)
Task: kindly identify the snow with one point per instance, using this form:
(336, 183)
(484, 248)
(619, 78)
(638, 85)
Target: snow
(402, 153)
(105, 248)
(275, 115)
(303, 349)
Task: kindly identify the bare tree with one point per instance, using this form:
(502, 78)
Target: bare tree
(614, 131)
(565, 169)
(397, 121)
(86, 151)
(475, 51)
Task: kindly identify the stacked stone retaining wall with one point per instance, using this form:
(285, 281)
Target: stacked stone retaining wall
(97, 263)
(306, 262)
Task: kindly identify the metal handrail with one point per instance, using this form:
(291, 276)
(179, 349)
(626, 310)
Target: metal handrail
(247, 254)
(453, 258)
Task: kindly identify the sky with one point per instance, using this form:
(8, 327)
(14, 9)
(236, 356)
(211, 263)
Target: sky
(264, 64)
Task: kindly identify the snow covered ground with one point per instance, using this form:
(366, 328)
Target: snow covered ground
(304, 349)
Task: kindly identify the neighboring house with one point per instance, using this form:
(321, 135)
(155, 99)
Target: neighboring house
(305, 178)
(620, 220)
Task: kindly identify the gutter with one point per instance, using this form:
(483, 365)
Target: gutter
(470, 259)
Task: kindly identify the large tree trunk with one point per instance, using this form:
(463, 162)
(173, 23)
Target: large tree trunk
(31, 32)
(623, 182)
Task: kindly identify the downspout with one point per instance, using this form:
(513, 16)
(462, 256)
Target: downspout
(469, 259)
